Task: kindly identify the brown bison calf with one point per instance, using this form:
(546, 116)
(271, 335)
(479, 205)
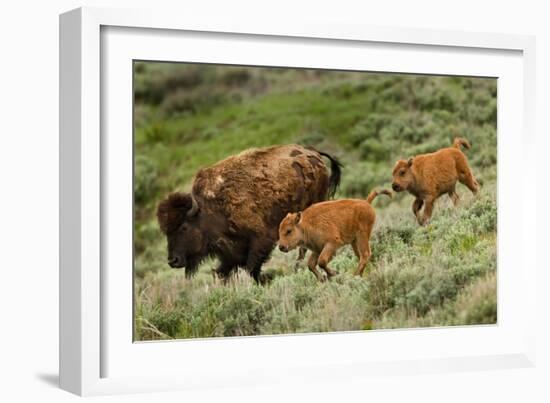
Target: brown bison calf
(325, 227)
(429, 176)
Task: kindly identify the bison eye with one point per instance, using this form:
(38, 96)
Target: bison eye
(288, 231)
(402, 173)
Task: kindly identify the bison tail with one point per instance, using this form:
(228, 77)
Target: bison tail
(461, 141)
(335, 174)
(372, 195)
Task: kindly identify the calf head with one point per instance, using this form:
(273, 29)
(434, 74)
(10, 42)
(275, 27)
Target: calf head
(402, 175)
(179, 219)
(290, 232)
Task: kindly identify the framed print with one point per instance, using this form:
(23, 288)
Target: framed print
(208, 139)
(245, 204)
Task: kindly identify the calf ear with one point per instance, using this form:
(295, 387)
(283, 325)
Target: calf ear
(298, 217)
(410, 161)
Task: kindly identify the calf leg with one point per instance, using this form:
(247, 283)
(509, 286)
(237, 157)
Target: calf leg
(325, 257)
(363, 247)
(355, 250)
(417, 205)
(301, 255)
(312, 264)
(454, 197)
(467, 179)
(428, 209)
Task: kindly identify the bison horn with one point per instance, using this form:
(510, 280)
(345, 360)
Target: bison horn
(194, 207)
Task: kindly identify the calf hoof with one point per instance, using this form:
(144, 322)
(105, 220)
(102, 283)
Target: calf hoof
(296, 266)
(321, 278)
(424, 222)
(331, 274)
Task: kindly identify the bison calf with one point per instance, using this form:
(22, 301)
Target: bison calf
(429, 176)
(325, 227)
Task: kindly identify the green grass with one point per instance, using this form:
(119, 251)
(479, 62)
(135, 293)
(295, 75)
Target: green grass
(189, 116)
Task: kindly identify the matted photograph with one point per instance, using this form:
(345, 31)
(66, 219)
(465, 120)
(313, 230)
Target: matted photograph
(271, 201)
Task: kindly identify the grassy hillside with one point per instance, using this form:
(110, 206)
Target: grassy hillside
(189, 116)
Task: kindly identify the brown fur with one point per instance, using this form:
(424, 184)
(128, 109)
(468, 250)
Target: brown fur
(241, 201)
(460, 141)
(247, 191)
(325, 227)
(429, 176)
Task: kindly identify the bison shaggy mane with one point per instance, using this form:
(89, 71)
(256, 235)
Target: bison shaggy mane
(171, 212)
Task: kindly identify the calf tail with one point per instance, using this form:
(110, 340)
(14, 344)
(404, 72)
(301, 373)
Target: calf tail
(335, 174)
(372, 195)
(461, 141)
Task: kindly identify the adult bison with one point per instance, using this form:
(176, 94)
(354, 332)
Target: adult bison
(235, 206)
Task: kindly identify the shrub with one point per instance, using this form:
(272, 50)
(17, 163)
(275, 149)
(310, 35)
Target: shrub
(235, 77)
(190, 102)
(477, 304)
(152, 83)
(145, 174)
(313, 137)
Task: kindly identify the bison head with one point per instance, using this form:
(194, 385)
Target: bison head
(179, 219)
(290, 232)
(402, 175)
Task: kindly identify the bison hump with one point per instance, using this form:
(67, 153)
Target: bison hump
(259, 186)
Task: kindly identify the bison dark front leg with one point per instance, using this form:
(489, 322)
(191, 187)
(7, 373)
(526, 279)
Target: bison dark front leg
(258, 253)
(224, 270)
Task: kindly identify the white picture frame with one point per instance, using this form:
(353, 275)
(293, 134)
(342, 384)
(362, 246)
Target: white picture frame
(96, 354)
